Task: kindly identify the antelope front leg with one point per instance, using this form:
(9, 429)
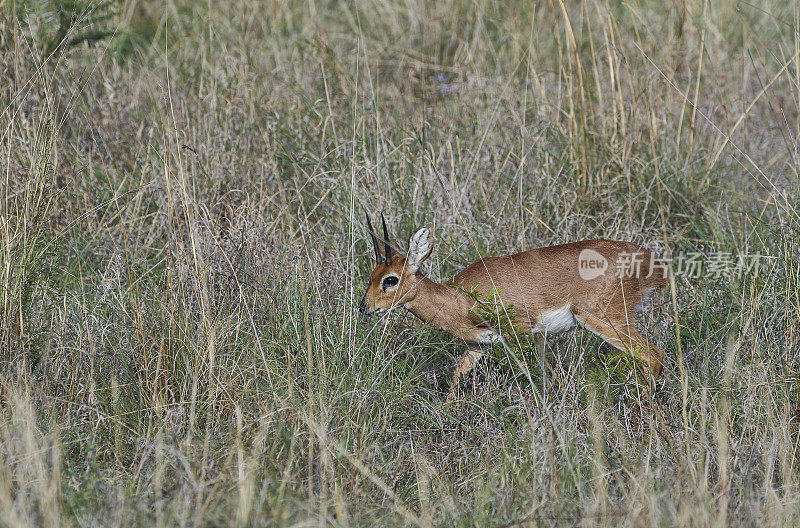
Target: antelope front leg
(465, 365)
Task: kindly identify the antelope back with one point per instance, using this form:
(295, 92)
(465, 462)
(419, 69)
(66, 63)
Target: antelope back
(550, 278)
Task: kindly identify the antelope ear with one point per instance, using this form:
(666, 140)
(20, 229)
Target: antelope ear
(420, 246)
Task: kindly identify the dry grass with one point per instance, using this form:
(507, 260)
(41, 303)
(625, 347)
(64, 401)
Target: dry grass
(182, 251)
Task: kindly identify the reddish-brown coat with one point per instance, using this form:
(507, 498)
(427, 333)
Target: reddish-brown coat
(536, 282)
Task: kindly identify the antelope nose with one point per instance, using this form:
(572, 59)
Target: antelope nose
(362, 307)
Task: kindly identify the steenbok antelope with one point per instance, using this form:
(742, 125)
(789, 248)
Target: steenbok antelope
(552, 290)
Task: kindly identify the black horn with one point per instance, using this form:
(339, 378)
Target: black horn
(374, 241)
(386, 245)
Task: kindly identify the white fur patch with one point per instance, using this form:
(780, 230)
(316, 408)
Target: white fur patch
(489, 337)
(556, 321)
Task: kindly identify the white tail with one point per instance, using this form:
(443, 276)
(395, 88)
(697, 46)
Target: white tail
(595, 283)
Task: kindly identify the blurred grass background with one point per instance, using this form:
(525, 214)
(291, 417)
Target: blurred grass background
(182, 253)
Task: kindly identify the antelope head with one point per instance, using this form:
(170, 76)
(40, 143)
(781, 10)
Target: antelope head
(394, 280)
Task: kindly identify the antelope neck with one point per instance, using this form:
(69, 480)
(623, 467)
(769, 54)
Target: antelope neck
(434, 302)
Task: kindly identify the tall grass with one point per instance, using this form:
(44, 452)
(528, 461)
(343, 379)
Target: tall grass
(182, 257)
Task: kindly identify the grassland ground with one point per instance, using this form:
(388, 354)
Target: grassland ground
(182, 254)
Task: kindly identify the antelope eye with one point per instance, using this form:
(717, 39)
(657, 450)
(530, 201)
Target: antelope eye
(390, 281)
